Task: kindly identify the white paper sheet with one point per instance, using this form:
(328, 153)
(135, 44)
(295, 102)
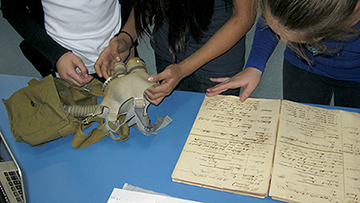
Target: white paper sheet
(126, 196)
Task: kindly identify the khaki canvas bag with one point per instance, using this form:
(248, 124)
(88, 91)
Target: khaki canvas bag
(51, 108)
(36, 112)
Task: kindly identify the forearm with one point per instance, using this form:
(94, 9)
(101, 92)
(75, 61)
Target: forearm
(264, 43)
(226, 37)
(130, 28)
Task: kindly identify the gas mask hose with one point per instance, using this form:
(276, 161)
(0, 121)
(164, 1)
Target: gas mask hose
(80, 111)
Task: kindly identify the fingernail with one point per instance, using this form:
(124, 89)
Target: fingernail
(242, 98)
(150, 78)
(117, 58)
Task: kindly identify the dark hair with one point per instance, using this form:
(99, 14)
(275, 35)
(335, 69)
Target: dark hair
(314, 19)
(184, 17)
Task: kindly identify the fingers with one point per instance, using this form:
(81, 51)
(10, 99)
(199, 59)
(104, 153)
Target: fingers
(81, 68)
(104, 64)
(169, 79)
(115, 52)
(249, 78)
(107, 71)
(156, 100)
(115, 49)
(72, 69)
(219, 79)
(97, 68)
(73, 81)
(157, 77)
(79, 76)
(156, 94)
(103, 70)
(76, 79)
(214, 93)
(218, 89)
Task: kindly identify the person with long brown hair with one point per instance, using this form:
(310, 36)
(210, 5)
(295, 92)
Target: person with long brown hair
(193, 41)
(322, 57)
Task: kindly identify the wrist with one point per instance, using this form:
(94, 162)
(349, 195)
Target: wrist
(188, 66)
(183, 70)
(255, 70)
(130, 43)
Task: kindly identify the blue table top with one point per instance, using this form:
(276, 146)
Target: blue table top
(57, 172)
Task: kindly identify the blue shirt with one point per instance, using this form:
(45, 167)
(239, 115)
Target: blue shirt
(343, 63)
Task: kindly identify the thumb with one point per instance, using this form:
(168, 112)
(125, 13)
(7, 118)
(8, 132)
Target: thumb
(156, 78)
(114, 50)
(246, 93)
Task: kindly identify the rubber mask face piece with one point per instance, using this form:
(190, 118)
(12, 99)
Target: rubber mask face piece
(124, 96)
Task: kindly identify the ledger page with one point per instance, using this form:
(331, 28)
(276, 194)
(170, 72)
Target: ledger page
(231, 145)
(317, 155)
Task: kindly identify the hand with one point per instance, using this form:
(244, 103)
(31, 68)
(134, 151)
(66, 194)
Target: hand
(170, 77)
(248, 78)
(118, 50)
(66, 67)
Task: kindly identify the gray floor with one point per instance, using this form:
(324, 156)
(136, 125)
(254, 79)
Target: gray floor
(12, 62)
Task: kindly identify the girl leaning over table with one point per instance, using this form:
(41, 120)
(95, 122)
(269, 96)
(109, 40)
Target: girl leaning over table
(322, 57)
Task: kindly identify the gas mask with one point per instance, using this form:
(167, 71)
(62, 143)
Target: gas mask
(124, 104)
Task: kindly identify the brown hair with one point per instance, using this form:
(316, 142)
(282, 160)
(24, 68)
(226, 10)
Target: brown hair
(315, 19)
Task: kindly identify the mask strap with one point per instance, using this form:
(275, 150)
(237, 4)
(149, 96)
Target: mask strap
(139, 119)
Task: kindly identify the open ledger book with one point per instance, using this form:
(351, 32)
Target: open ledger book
(294, 152)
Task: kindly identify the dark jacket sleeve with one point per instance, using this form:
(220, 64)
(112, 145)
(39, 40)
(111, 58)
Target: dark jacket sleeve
(27, 18)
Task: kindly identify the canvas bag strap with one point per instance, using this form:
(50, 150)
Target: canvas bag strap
(85, 95)
(118, 131)
(82, 140)
(94, 87)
